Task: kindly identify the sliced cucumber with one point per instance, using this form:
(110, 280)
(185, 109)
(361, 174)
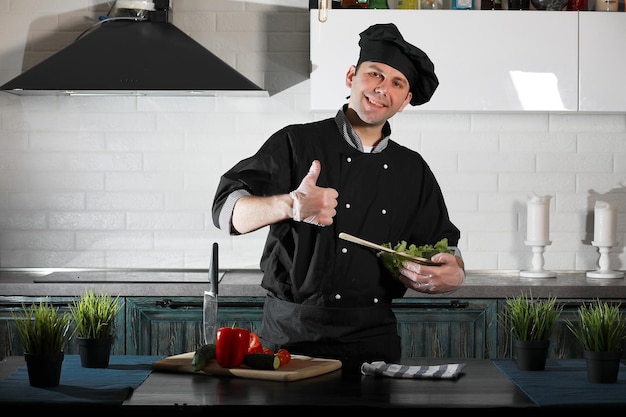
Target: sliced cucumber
(203, 356)
(263, 361)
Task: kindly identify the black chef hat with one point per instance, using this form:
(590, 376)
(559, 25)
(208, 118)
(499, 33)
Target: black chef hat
(384, 43)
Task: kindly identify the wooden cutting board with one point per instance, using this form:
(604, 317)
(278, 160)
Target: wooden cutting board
(299, 367)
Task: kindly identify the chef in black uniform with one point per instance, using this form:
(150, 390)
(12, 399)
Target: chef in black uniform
(327, 297)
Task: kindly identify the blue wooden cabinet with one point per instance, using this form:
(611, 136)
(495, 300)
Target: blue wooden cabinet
(10, 343)
(429, 328)
(169, 326)
(447, 328)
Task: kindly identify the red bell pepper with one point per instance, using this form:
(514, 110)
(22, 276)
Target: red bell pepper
(255, 344)
(231, 345)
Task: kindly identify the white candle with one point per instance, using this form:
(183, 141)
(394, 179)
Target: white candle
(538, 218)
(607, 5)
(604, 223)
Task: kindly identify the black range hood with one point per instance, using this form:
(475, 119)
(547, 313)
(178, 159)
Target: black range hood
(133, 57)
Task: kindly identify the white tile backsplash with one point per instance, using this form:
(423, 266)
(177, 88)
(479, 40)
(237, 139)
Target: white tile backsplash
(129, 181)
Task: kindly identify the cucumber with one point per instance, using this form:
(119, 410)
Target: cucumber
(203, 356)
(263, 361)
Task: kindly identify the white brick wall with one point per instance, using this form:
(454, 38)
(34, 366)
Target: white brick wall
(128, 182)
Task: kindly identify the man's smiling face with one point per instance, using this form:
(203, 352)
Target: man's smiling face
(377, 91)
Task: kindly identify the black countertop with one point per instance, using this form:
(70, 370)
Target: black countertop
(244, 283)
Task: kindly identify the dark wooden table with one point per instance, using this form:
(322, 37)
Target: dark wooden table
(482, 386)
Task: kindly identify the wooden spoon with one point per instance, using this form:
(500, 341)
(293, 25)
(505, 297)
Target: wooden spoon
(367, 243)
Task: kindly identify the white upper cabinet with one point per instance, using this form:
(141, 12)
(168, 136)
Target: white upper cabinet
(603, 62)
(486, 60)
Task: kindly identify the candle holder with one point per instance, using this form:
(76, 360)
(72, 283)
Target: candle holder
(537, 270)
(605, 270)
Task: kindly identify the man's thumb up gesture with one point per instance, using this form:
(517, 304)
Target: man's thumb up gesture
(313, 204)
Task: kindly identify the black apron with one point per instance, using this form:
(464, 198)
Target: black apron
(351, 335)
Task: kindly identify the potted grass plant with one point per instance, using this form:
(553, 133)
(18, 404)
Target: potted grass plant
(94, 317)
(44, 333)
(530, 321)
(601, 329)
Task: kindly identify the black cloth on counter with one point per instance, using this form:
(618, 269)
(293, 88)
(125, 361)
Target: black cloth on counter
(78, 385)
(564, 382)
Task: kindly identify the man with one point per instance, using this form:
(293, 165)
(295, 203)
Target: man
(327, 297)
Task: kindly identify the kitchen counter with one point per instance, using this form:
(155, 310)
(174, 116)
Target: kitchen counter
(246, 283)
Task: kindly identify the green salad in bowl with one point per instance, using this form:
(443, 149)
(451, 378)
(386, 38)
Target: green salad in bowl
(393, 261)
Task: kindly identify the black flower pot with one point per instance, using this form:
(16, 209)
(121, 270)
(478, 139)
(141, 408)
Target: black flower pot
(530, 355)
(602, 367)
(94, 353)
(44, 371)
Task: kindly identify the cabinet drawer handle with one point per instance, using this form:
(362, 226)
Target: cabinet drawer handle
(168, 303)
(453, 304)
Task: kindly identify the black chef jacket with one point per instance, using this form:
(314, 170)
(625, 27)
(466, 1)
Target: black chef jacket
(321, 289)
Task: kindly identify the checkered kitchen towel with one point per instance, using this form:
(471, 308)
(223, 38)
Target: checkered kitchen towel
(393, 370)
